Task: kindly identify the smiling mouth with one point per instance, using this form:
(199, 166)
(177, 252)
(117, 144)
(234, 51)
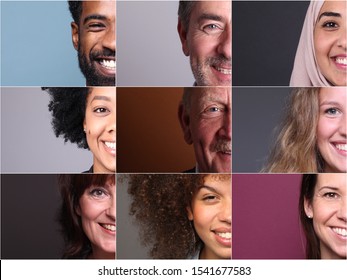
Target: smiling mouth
(225, 71)
(109, 227)
(341, 147)
(224, 235)
(340, 231)
(109, 64)
(111, 145)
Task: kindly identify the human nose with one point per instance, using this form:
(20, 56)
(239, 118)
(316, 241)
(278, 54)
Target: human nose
(342, 211)
(111, 209)
(111, 126)
(342, 38)
(225, 211)
(343, 124)
(224, 46)
(225, 130)
(109, 40)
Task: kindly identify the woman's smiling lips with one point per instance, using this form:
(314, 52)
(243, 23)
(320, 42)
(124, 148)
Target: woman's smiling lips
(340, 61)
(110, 147)
(340, 232)
(109, 228)
(340, 147)
(223, 236)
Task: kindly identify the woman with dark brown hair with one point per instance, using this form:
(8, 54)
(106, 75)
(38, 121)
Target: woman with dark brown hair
(88, 216)
(323, 215)
(183, 215)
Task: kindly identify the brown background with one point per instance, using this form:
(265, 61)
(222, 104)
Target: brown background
(149, 137)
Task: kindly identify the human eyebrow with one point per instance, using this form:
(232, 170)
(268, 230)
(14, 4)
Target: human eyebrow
(329, 14)
(101, 97)
(330, 103)
(211, 189)
(209, 17)
(94, 16)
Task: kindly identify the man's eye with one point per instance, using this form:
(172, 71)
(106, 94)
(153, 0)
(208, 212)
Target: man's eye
(212, 28)
(96, 26)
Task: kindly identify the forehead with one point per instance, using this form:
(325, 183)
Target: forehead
(335, 180)
(335, 93)
(334, 6)
(104, 8)
(103, 91)
(203, 95)
(220, 8)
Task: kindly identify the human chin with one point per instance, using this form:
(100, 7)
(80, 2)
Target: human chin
(95, 74)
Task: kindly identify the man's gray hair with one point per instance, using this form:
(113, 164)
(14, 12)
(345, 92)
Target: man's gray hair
(184, 10)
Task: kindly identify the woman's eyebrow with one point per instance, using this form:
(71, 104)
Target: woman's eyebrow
(329, 14)
(101, 97)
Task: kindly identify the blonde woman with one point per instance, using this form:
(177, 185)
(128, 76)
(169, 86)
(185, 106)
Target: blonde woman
(312, 137)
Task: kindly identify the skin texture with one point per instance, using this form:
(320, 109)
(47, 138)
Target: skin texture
(100, 128)
(331, 129)
(328, 211)
(97, 206)
(210, 212)
(207, 41)
(330, 42)
(207, 125)
(94, 37)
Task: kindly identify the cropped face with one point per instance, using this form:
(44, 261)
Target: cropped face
(207, 41)
(94, 37)
(331, 130)
(97, 209)
(100, 128)
(330, 42)
(210, 212)
(329, 213)
(207, 125)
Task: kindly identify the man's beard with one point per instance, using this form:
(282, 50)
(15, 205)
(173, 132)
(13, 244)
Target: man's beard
(93, 77)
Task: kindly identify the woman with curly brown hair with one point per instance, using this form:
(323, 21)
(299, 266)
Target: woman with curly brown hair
(88, 216)
(183, 215)
(87, 117)
(313, 135)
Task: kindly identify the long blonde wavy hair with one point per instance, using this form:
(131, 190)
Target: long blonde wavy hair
(295, 149)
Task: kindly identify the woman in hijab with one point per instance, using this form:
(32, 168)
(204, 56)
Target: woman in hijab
(321, 55)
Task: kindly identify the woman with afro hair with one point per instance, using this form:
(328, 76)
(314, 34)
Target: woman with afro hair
(183, 215)
(87, 117)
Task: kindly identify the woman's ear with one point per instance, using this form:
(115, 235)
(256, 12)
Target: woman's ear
(190, 213)
(308, 208)
(78, 210)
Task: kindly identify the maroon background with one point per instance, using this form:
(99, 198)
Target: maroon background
(265, 217)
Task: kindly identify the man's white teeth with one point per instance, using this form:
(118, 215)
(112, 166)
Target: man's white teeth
(109, 227)
(109, 64)
(342, 147)
(226, 235)
(341, 60)
(340, 231)
(224, 71)
(111, 145)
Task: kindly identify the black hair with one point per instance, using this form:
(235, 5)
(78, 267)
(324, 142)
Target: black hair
(68, 108)
(75, 8)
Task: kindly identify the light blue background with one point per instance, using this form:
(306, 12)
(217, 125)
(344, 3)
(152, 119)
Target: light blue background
(36, 46)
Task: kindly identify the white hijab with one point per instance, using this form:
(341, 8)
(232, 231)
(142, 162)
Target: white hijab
(305, 71)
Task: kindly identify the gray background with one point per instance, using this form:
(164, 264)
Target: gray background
(128, 241)
(148, 46)
(29, 205)
(36, 45)
(28, 143)
(265, 39)
(256, 113)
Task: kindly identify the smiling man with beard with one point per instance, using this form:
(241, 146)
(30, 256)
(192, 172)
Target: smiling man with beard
(94, 37)
(205, 118)
(204, 28)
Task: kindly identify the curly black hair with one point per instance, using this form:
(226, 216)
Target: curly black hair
(68, 107)
(159, 205)
(76, 8)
